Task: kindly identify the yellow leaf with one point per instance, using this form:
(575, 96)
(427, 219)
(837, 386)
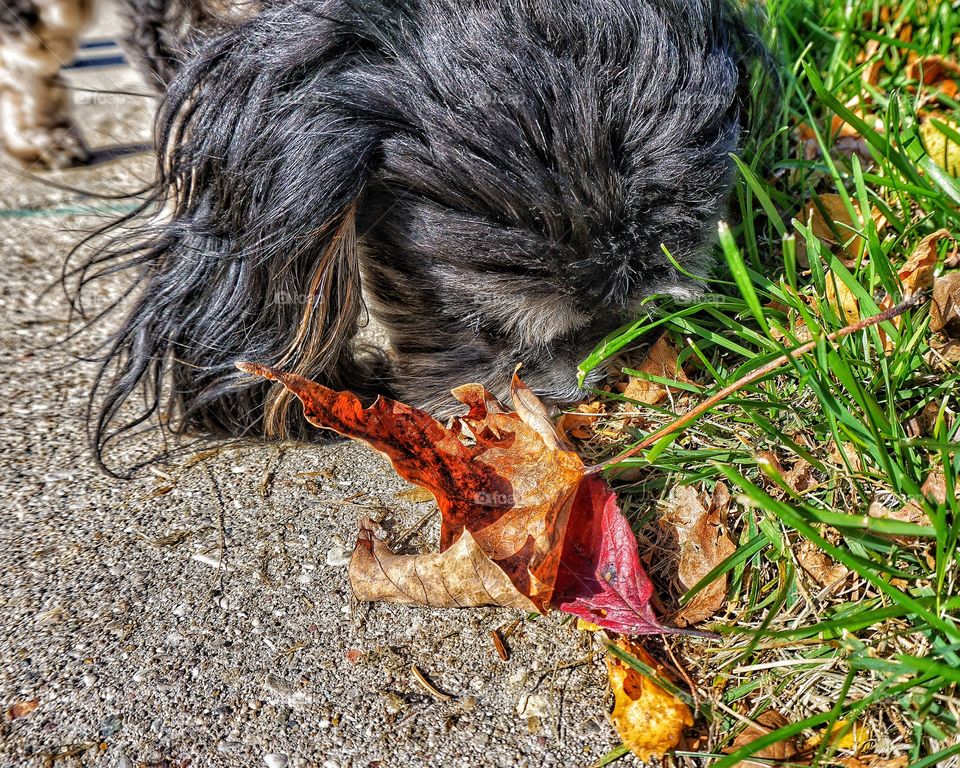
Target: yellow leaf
(944, 151)
(416, 495)
(649, 719)
(855, 739)
(841, 299)
(587, 626)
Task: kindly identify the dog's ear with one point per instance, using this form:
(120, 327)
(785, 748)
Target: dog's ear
(263, 156)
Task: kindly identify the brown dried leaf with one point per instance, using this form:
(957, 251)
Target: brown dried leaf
(522, 523)
(850, 452)
(818, 566)
(873, 761)
(831, 222)
(580, 423)
(939, 75)
(799, 477)
(945, 306)
(704, 543)
(661, 361)
(649, 719)
(22, 708)
(766, 722)
(917, 272)
(934, 488)
(461, 575)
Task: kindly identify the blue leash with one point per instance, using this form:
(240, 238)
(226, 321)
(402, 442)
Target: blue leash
(96, 62)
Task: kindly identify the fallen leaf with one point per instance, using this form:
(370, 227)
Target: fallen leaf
(661, 360)
(600, 578)
(704, 544)
(819, 566)
(799, 478)
(931, 70)
(934, 488)
(945, 305)
(943, 150)
(917, 272)
(461, 575)
(22, 708)
(845, 456)
(831, 222)
(873, 761)
(649, 719)
(522, 524)
(580, 423)
(766, 723)
(842, 735)
(841, 299)
(847, 140)
(945, 353)
(911, 512)
(940, 75)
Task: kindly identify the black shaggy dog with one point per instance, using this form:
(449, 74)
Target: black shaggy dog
(493, 179)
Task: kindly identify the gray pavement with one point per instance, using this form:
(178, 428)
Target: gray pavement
(200, 614)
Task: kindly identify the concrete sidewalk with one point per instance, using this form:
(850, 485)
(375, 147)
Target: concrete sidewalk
(200, 614)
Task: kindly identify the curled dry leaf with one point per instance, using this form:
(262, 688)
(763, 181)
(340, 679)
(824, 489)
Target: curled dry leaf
(649, 719)
(522, 525)
(916, 274)
(780, 751)
(945, 305)
(704, 544)
(661, 360)
(934, 488)
(831, 222)
(461, 575)
(580, 423)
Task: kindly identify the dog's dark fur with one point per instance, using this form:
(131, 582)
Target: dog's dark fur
(496, 177)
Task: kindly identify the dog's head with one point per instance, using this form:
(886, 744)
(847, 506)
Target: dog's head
(543, 157)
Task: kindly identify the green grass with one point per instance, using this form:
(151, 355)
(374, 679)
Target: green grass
(883, 647)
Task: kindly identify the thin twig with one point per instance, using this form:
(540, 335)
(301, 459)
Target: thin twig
(759, 373)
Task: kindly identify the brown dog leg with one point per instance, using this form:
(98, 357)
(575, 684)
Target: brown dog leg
(37, 38)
